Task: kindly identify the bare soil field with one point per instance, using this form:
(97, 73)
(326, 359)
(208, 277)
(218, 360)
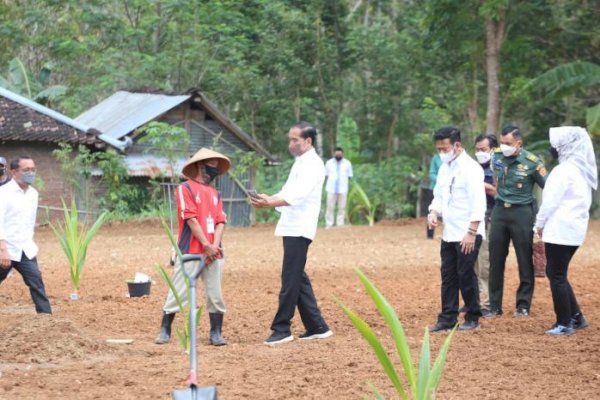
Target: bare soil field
(66, 356)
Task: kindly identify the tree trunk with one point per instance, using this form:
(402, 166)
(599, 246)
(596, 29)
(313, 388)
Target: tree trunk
(494, 28)
(472, 113)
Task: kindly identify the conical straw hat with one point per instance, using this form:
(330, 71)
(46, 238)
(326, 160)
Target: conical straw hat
(190, 169)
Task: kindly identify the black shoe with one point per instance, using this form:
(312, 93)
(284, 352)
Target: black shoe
(278, 338)
(485, 312)
(578, 321)
(521, 312)
(440, 327)
(317, 334)
(492, 313)
(215, 336)
(468, 326)
(164, 336)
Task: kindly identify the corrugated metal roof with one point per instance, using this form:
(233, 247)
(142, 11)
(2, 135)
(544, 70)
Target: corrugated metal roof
(124, 112)
(147, 165)
(79, 125)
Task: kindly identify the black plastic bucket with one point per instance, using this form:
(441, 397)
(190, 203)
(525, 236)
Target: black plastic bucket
(139, 289)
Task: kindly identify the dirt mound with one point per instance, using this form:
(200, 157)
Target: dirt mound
(42, 339)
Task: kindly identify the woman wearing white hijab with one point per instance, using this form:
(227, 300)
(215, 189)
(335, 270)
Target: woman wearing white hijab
(563, 218)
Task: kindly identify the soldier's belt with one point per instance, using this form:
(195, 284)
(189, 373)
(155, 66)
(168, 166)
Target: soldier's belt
(505, 204)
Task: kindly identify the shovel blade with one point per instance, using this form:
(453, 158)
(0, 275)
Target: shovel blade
(195, 393)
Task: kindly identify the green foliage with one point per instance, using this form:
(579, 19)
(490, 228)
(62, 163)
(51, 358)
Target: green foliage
(75, 237)
(270, 179)
(361, 204)
(77, 171)
(422, 381)
(566, 79)
(19, 80)
(348, 138)
(270, 63)
(165, 140)
(119, 196)
(390, 186)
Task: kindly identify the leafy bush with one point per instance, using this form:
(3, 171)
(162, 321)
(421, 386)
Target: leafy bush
(269, 180)
(391, 185)
(423, 379)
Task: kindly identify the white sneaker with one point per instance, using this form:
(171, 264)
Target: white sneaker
(311, 336)
(278, 338)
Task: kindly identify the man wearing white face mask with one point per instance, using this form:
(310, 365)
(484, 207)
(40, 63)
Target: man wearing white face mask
(459, 198)
(18, 208)
(484, 146)
(516, 171)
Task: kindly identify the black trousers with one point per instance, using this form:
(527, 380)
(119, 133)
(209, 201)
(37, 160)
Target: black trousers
(28, 268)
(458, 274)
(516, 224)
(296, 289)
(558, 258)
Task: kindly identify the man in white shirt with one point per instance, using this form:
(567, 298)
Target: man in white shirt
(299, 202)
(338, 172)
(18, 208)
(459, 198)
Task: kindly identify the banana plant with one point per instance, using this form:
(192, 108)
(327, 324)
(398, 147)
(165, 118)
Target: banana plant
(423, 379)
(566, 79)
(19, 80)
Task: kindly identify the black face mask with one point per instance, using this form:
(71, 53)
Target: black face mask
(212, 172)
(339, 158)
(553, 152)
(2, 171)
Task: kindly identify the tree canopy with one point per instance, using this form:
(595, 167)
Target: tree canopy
(389, 70)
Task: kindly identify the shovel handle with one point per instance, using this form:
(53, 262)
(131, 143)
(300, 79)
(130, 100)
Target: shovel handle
(192, 257)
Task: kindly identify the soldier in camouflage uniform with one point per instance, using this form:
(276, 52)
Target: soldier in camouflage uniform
(516, 171)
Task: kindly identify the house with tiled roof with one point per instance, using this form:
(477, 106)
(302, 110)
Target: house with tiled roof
(30, 129)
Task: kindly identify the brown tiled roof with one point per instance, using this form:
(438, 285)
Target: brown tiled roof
(19, 122)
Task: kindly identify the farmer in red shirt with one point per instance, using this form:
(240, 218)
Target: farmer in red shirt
(201, 224)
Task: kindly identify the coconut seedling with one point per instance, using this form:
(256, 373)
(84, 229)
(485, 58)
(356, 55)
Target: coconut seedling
(423, 379)
(74, 238)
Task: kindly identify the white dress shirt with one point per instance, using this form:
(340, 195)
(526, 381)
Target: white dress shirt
(459, 197)
(564, 213)
(302, 191)
(337, 173)
(18, 210)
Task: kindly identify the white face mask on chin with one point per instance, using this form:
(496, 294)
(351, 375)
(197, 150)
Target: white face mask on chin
(483, 157)
(447, 157)
(508, 150)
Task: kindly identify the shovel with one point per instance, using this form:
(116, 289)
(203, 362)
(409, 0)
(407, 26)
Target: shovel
(193, 392)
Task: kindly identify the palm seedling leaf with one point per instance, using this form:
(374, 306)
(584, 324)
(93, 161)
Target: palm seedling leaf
(367, 332)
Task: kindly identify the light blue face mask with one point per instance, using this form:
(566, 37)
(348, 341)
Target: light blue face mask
(28, 177)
